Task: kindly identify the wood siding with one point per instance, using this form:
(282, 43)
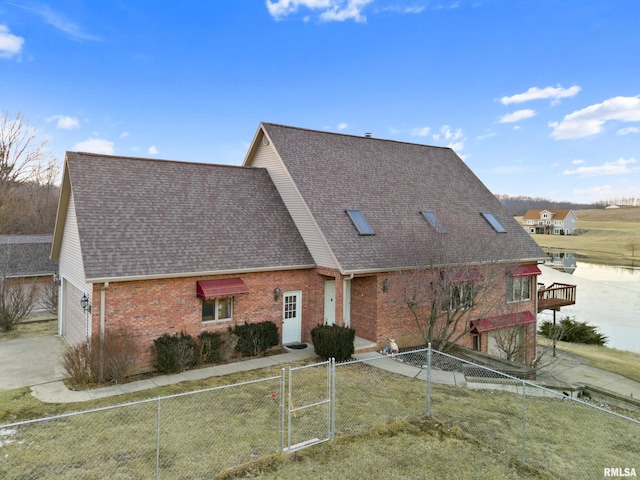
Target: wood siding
(267, 157)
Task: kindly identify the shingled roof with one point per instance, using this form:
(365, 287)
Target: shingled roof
(142, 218)
(391, 183)
(26, 256)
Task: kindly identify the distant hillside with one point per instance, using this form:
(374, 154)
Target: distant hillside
(518, 206)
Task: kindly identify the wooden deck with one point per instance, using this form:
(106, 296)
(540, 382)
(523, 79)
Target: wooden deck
(555, 296)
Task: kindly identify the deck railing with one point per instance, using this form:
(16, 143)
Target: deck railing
(555, 296)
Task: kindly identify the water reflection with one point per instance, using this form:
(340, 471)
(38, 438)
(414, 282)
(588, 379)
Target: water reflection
(566, 262)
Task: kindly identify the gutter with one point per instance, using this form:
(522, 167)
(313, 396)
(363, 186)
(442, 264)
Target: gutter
(103, 295)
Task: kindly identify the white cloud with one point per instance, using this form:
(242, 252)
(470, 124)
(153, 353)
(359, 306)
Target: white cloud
(486, 135)
(628, 130)
(10, 44)
(604, 191)
(619, 167)
(124, 134)
(535, 93)
(329, 10)
(153, 150)
(447, 134)
(95, 145)
(401, 9)
(590, 120)
(518, 115)
(420, 131)
(342, 126)
(64, 122)
(57, 20)
(577, 162)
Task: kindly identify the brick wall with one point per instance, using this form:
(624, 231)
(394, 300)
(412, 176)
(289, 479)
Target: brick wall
(150, 308)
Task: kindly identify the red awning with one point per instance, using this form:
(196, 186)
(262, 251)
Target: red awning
(461, 275)
(503, 321)
(224, 287)
(525, 271)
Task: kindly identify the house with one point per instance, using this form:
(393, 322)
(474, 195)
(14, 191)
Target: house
(24, 260)
(313, 228)
(550, 222)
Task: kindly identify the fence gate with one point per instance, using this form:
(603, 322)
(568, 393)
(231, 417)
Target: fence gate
(308, 414)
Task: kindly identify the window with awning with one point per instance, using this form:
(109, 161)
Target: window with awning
(220, 288)
(503, 321)
(524, 271)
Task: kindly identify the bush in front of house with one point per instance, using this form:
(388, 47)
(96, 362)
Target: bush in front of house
(256, 338)
(333, 341)
(174, 353)
(90, 362)
(572, 331)
(209, 347)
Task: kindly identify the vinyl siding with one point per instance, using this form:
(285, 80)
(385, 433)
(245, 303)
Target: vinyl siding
(71, 317)
(267, 157)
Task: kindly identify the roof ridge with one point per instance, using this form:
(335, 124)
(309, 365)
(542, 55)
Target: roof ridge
(354, 135)
(163, 160)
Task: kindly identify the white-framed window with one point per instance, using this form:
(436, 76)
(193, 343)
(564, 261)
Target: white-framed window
(518, 289)
(461, 297)
(217, 309)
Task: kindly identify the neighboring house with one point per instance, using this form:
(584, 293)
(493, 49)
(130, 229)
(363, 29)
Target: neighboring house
(24, 259)
(314, 228)
(550, 222)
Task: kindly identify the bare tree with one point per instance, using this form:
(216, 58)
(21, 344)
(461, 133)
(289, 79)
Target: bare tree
(16, 302)
(443, 299)
(27, 177)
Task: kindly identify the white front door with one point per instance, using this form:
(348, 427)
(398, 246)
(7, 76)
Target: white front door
(291, 317)
(329, 302)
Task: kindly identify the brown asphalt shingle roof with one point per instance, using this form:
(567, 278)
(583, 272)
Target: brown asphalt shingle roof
(26, 255)
(535, 214)
(392, 182)
(143, 217)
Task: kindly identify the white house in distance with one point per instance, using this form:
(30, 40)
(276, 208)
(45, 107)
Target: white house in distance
(550, 222)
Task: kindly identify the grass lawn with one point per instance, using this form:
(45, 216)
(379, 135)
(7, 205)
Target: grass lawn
(621, 362)
(380, 428)
(30, 330)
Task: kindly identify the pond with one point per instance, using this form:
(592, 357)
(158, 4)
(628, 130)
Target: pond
(606, 296)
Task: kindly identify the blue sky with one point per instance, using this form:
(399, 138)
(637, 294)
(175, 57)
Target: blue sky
(540, 97)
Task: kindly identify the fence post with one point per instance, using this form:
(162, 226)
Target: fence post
(282, 394)
(524, 422)
(158, 442)
(428, 412)
(332, 401)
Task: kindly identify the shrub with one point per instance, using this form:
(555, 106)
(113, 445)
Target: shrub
(256, 338)
(174, 353)
(84, 366)
(210, 347)
(118, 355)
(333, 341)
(570, 330)
(77, 363)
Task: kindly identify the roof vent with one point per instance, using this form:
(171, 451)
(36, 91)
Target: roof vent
(367, 135)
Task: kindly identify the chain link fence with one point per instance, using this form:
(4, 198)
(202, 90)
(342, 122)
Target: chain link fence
(201, 434)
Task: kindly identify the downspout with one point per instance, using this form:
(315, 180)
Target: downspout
(103, 294)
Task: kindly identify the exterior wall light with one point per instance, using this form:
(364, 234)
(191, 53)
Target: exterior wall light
(84, 303)
(276, 294)
(385, 285)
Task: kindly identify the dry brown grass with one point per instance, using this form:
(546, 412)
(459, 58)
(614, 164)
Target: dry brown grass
(31, 330)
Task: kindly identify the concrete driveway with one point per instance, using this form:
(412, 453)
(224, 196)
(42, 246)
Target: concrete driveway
(31, 361)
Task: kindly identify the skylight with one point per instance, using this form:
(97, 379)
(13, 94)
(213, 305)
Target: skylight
(360, 222)
(493, 221)
(434, 221)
